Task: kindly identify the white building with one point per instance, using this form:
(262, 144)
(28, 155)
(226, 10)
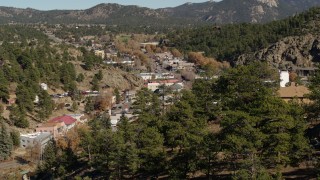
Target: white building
(154, 86)
(99, 53)
(284, 78)
(114, 119)
(35, 140)
(44, 86)
(150, 76)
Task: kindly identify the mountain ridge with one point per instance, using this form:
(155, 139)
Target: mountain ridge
(223, 12)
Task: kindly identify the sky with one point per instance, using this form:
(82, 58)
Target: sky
(84, 4)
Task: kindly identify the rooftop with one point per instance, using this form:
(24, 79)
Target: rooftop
(50, 124)
(68, 120)
(37, 135)
(293, 91)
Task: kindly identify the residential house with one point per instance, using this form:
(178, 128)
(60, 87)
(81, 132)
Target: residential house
(69, 121)
(55, 128)
(143, 45)
(151, 76)
(99, 53)
(155, 85)
(294, 92)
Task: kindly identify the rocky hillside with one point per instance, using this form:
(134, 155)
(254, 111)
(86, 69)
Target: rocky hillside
(235, 11)
(302, 51)
(226, 11)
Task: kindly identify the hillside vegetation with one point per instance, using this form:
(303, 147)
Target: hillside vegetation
(229, 41)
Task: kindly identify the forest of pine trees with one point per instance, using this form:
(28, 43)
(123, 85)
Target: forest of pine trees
(257, 132)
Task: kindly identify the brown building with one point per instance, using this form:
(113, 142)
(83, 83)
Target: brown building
(294, 92)
(55, 128)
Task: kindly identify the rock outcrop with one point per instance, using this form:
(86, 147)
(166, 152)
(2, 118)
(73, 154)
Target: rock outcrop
(299, 51)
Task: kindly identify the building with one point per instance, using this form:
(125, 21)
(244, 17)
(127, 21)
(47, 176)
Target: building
(79, 117)
(99, 53)
(114, 119)
(151, 76)
(284, 78)
(55, 128)
(35, 140)
(155, 85)
(294, 92)
(143, 45)
(44, 86)
(69, 121)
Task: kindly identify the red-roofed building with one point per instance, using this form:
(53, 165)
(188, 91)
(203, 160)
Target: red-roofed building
(69, 121)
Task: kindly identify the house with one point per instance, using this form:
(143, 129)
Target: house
(155, 85)
(35, 140)
(151, 76)
(69, 121)
(284, 78)
(99, 53)
(305, 72)
(143, 45)
(30, 140)
(294, 92)
(55, 128)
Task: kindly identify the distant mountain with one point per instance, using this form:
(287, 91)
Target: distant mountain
(234, 11)
(226, 11)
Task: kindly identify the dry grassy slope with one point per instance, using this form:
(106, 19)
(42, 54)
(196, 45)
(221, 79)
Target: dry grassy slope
(112, 77)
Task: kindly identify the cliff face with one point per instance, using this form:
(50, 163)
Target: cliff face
(301, 51)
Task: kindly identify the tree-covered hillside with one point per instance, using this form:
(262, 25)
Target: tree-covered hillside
(229, 41)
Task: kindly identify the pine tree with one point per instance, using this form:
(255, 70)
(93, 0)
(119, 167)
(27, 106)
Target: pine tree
(184, 133)
(314, 95)
(4, 92)
(256, 124)
(125, 155)
(45, 105)
(95, 84)
(5, 142)
(18, 117)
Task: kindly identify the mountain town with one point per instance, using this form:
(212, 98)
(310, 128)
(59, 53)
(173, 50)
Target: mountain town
(212, 90)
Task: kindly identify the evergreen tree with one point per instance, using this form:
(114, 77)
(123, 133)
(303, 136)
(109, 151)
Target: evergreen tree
(89, 106)
(4, 92)
(45, 105)
(312, 109)
(257, 125)
(184, 133)
(126, 157)
(25, 97)
(18, 117)
(15, 137)
(95, 84)
(5, 142)
(99, 75)
(117, 94)
(49, 164)
(80, 77)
